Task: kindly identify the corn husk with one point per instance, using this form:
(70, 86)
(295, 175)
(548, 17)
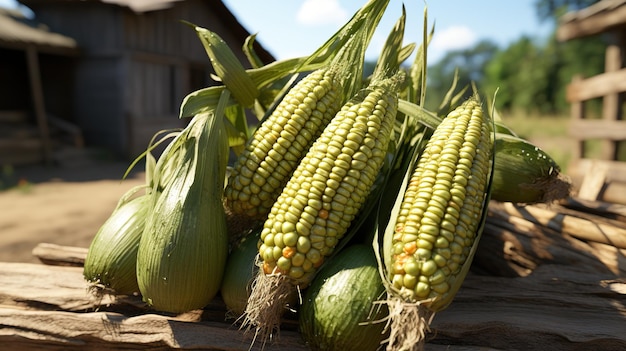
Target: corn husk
(523, 173)
(183, 249)
(110, 264)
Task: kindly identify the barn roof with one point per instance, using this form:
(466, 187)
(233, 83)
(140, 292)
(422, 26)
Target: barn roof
(141, 6)
(19, 32)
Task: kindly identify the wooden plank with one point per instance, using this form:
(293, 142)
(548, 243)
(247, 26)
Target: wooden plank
(579, 168)
(586, 129)
(577, 112)
(593, 182)
(597, 230)
(49, 307)
(611, 106)
(38, 100)
(605, 19)
(52, 330)
(59, 255)
(13, 116)
(614, 192)
(597, 86)
(555, 308)
(601, 208)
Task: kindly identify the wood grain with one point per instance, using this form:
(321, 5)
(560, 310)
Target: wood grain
(531, 287)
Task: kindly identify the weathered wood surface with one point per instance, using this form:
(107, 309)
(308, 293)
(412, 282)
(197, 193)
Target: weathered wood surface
(532, 287)
(50, 308)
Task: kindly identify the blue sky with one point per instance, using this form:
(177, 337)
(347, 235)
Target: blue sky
(289, 28)
(300, 26)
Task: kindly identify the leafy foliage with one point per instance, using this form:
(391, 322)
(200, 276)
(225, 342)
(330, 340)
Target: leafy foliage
(552, 9)
(530, 74)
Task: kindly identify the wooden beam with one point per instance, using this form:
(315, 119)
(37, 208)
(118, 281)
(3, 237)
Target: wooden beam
(597, 86)
(602, 21)
(577, 111)
(611, 102)
(586, 129)
(38, 100)
(616, 170)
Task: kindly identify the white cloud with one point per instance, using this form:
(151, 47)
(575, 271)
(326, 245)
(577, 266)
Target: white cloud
(321, 12)
(452, 38)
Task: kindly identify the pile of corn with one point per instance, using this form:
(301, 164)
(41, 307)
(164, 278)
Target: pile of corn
(335, 161)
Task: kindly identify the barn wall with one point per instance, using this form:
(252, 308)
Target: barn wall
(95, 26)
(99, 102)
(135, 68)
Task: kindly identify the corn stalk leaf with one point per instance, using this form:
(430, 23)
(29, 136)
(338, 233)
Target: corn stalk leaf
(417, 74)
(248, 50)
(389, 59)
(419, 113)
(228, 67)
(236, 127)
(262, 77)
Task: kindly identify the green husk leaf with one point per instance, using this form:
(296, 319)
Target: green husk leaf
(526, 174)
(239, 274)
(227, 67)
(416, 92)
(389, 59)
(248, 50)
(110, 264)
(184, 247)
(263, 77)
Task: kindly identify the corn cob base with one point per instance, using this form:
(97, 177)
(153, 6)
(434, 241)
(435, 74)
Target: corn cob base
(416, 315)
(264, 319)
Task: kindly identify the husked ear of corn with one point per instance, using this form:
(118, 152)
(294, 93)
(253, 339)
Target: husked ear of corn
(183, 249)
(438, 223)
(112, 256)
(280, 142)
(320, 200)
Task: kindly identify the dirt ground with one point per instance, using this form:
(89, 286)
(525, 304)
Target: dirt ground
(64, 205)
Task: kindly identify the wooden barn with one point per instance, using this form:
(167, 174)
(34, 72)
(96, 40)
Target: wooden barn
(133, 63)
(33, 60)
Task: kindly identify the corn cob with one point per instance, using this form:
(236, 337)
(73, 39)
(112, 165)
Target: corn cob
(440, 215)
(327, 189)
(320, 200)
(280, 142)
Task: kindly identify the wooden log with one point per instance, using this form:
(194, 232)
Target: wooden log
(600, 208)
(598, 230)
(513, 246)
(525, 239)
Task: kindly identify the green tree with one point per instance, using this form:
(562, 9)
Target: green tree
(553, 9)
(519, 74)
(470, 64)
